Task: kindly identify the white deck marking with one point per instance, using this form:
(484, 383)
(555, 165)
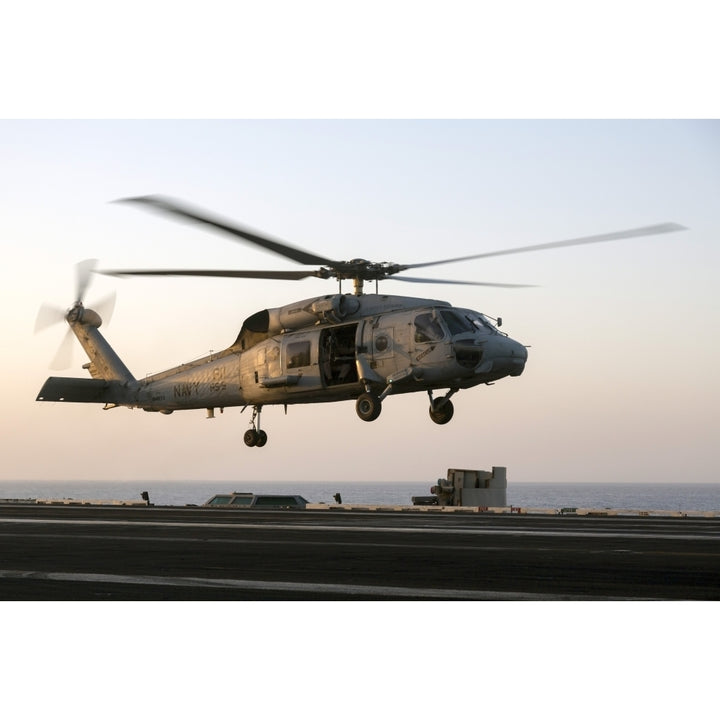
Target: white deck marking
(707, 534)
(325, 588)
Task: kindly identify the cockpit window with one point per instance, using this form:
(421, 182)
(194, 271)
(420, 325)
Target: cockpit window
(457, 322)
(427, 328)
(466, 321)
(482, 324)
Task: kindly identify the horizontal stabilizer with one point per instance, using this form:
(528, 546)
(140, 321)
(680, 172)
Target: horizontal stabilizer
(61, 389)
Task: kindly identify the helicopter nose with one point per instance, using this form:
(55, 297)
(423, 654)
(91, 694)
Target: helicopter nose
(505, 357)
(517, 357)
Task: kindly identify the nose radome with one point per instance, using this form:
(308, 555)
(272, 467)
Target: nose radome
(507, 357)
(518, 355)
(518, 350)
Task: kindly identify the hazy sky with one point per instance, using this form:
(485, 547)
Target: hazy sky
(621, 382)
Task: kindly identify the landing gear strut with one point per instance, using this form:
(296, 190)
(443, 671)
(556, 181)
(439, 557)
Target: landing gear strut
(441, 409)
(255, 437)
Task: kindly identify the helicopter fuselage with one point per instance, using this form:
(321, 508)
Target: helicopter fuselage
(337, 347)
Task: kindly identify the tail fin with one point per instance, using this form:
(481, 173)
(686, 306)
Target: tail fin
(104, 362)
(112, 383)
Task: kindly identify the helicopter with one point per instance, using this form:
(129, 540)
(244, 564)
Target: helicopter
(335, 347)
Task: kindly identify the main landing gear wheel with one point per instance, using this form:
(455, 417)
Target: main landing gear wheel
(441, 411)
(255, 438)
(368, 407)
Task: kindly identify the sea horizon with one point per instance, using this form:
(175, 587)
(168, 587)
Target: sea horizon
(695, 496)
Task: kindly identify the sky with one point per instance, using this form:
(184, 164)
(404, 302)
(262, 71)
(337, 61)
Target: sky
(621, 381)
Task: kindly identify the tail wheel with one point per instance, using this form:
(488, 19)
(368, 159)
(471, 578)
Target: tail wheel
(368, 407)
(441, 411)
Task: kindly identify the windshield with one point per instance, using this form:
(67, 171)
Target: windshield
(465, 321)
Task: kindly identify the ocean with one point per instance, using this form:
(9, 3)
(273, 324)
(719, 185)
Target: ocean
(626, 496)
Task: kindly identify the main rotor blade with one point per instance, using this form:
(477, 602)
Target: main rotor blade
(258, 274)
(622, 235)
(181, 210)
(457, 282)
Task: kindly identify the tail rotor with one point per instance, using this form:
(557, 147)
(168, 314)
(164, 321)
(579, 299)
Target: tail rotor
(50, 315)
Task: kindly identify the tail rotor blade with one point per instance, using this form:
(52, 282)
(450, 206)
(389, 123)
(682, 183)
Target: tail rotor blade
(105, 307)
(84, 271)
(63, 357)
(47, 316)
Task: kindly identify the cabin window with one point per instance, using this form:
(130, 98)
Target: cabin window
(427, 328)
(298, 354)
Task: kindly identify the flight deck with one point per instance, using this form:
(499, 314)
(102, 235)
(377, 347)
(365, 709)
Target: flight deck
(91, 551)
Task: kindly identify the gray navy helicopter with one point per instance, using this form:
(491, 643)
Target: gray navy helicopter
(354, 346)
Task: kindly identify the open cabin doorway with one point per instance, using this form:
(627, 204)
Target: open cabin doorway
(338, 354)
